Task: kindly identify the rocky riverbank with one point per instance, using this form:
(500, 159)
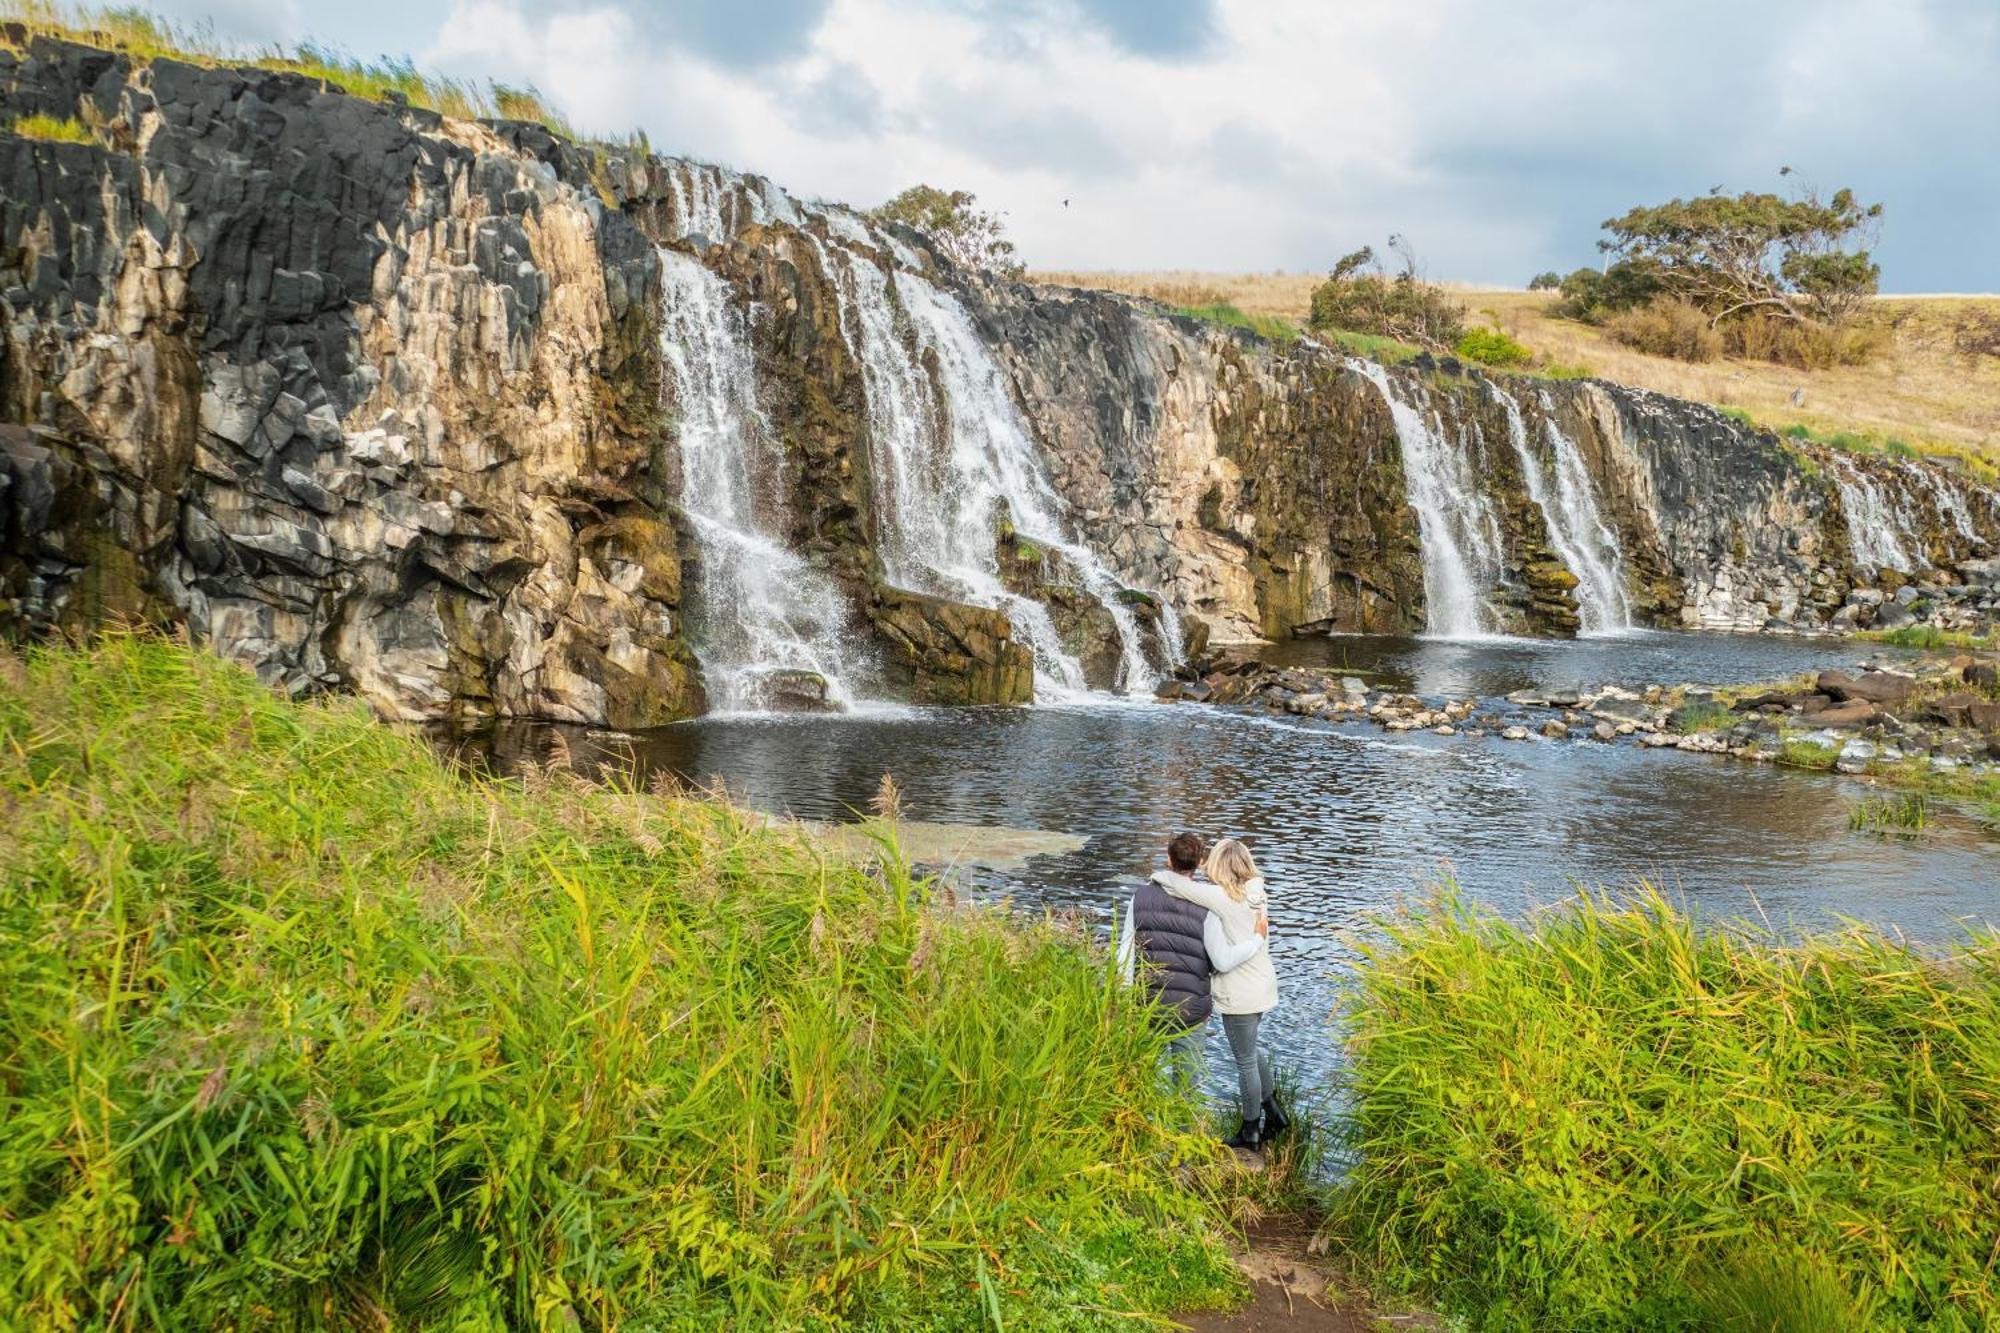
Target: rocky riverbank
(1919, 720)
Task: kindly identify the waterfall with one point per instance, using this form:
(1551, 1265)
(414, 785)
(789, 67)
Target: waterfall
(765, 614)
(1950, 505)
(1461, 537)
(1588, 548)
(947, 464)
(942, 517)
(1871, 523)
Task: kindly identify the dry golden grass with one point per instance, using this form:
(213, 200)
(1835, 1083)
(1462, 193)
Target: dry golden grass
(1929, 388)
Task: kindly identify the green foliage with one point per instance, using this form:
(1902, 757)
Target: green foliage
(1545, 282)
(1903, 815)
(1592, 1121)
(1738, 415)
(1557, 370)
(1391, 351)
(1771, 278)
(1808, 754)
(1280, 331)
(1491, 347)
(1359, 297)
(1772, 1289)
(1734, 254)
(968, 237)
(1700, 715)
(299, 1027)
(52, 129)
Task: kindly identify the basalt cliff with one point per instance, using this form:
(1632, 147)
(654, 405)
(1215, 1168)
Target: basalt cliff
(481, 423)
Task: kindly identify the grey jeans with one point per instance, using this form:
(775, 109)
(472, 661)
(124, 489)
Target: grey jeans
(1253, 1066)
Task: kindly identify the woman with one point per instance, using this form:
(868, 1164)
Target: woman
(1243, 995)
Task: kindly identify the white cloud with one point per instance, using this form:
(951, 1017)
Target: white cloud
(1279, 133)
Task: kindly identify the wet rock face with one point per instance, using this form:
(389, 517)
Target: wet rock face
(364, 397)
(1262, 488)
(947, 652)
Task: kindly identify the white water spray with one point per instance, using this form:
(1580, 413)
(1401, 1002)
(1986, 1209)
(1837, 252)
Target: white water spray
(1871, 521)
(765, 611)
(1461, 537)
(1588, 547)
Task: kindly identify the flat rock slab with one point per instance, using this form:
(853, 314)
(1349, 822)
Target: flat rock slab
(935, 846)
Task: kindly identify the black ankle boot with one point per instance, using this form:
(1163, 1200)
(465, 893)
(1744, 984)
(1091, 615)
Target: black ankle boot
(1275, 1119)
(1249, 1138)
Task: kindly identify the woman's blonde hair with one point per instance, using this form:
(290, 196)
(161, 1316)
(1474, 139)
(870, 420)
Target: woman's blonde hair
(1229, 865)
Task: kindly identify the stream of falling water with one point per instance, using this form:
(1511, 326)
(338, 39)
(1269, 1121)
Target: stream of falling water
(768, 622)
(1871, 522)
(1587, 546)
(948, 465)
(1461, 537)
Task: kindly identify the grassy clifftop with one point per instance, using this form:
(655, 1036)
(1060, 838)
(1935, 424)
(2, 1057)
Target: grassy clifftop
(300, 1028)
(1935, 387)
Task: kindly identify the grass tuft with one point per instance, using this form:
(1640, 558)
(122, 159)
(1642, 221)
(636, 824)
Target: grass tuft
(301, 1027)
(1280, 331)
(1614, 1118)
(1903, 816)
(52, 129)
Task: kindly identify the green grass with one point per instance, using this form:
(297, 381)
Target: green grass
(53, 129)
(1617, 1119)
(1927, 636)
(301, 1028)
(1891, 816)
(146, 37)
(1280, 331)
(1700, 715)
(1374, 345)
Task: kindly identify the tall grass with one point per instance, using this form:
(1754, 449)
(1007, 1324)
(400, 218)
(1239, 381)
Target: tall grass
(145, 36)
(1616, 1119)
(300, 1028)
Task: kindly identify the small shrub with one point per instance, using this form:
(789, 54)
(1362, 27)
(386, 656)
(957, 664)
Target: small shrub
(1491, 347)
(1667, 328)
(1558, 370)
(52, 129)
(1359, 297)
(1766, 1288)
(1594, 295)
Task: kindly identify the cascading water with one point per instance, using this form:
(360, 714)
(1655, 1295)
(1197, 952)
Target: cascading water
(1588, 547)
(1461, 537)
(769, 623)
(1871, 522)
(944, 518)
(1950, 505)
(947, 463)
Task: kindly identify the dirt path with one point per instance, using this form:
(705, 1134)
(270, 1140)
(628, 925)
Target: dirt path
(1292, 1291)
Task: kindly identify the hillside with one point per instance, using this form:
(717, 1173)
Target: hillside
(1936, 387)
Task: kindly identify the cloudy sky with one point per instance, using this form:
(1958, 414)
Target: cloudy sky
(1266, 134)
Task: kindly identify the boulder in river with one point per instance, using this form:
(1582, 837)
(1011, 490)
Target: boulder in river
(1875, 687)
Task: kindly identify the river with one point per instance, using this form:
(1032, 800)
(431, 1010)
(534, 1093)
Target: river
(1348, 820)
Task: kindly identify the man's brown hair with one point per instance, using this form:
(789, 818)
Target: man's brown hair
(1184, 853)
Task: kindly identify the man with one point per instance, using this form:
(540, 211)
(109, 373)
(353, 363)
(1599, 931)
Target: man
(1182, 945)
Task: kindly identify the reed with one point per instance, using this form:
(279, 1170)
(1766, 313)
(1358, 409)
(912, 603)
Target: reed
(1614, 1118)
(299, 1027)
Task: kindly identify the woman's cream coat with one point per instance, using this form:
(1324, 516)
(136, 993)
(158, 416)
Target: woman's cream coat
(1251, 988)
